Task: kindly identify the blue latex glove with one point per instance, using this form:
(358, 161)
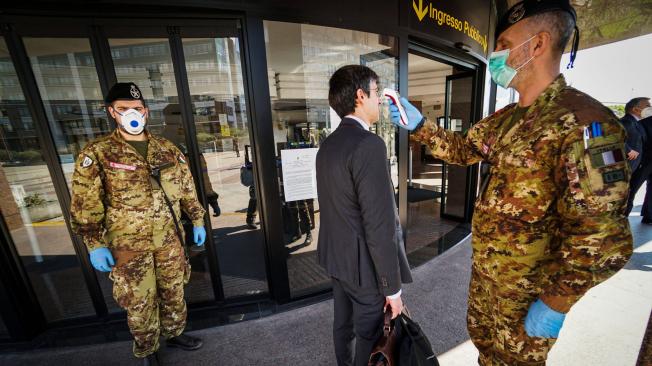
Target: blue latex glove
(413, 115)
(199, 235)
(102, 259)
(542, 321)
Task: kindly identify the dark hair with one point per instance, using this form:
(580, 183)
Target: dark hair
(559, 24)
(634, 103)
(344, 85)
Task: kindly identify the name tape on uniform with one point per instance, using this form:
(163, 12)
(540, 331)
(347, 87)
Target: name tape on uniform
(122, 166)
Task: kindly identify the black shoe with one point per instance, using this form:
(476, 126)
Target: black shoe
(308, 239)
(251, 225)
(185, 342)
(646, 220)
(151, 360)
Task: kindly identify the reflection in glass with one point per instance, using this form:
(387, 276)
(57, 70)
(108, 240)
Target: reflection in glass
(301, 58)
(148, 64)
(220, 114)
(29, 204)
(459, 106)
(427, 92)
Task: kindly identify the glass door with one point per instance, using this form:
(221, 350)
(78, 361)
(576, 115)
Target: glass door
(213, 63)
(193, 83)
(458, 117)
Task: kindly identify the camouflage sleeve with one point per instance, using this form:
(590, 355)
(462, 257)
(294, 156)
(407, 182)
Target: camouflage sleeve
(595, 240)
(189, 202)
(87, 202)
(450, 146)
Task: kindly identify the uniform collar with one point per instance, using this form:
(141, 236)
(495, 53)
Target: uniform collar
(548, 95)
(117, 136)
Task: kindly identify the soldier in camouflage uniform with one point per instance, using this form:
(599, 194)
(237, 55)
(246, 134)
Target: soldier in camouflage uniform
(119, 208)
(549, 221)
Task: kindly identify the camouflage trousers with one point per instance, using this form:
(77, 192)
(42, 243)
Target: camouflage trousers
(496, 326)
(149, 286)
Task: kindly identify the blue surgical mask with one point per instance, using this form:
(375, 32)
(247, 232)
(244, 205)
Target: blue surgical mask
(501, 73)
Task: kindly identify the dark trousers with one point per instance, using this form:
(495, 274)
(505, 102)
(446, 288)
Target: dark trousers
(642, 174)
(253, 203)
(358, 320)
(300, 217)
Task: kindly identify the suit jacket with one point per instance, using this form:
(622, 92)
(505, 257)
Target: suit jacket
(646, 123)
(360, 238)
(636, 138)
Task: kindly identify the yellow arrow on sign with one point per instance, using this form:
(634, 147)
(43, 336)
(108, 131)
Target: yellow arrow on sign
(420, 11)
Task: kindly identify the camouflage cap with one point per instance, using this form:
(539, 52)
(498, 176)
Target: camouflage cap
(124, 91)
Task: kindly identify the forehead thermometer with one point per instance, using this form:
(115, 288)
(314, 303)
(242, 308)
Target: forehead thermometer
(394, 97)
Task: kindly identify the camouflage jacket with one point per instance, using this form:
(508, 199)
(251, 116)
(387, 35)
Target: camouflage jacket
(551, 219)
(113, 201)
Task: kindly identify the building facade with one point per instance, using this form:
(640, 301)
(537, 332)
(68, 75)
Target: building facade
(229, 82)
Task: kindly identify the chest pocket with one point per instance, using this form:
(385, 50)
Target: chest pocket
(603, 173)
(126, 184)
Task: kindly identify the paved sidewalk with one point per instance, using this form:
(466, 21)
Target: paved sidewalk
(605, 328)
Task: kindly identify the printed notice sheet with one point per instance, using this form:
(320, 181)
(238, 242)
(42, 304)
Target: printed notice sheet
(299, 174)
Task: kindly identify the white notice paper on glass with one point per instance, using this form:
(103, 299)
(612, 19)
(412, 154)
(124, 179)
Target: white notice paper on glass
(299, 174)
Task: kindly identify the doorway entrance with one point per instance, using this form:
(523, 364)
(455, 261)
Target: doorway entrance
(439, 194)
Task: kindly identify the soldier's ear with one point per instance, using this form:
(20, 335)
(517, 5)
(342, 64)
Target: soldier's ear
(542, 43)
(111, 111)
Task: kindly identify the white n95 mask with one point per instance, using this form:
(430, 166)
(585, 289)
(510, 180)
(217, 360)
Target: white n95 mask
(132, 121)
(646, 112)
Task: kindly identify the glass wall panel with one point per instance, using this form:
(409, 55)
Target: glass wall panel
(301, 58)
(220, 113)
(28, 201)
(147, 62)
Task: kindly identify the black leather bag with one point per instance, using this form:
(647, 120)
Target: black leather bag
(402, 343)
(414, 346)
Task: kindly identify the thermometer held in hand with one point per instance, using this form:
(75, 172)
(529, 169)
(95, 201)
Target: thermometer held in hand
(394, 97)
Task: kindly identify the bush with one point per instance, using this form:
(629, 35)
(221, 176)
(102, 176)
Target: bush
(33, 200)
(29, 156)
(203, 137)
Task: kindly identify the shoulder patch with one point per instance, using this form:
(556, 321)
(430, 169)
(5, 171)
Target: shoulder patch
(87, 162)
(181, 159)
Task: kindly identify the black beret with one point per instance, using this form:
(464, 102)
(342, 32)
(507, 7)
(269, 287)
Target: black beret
(528, 8)
(124, 91)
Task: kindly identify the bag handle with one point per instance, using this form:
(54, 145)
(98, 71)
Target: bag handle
(387, 325)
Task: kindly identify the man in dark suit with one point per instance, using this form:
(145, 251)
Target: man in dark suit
(646, 168)
(636, 136)
(637, 142)
(360, 239)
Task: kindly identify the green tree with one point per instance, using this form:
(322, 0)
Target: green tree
(618, 109)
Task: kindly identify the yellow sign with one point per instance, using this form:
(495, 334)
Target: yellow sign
(444, 19)
(225, 130)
